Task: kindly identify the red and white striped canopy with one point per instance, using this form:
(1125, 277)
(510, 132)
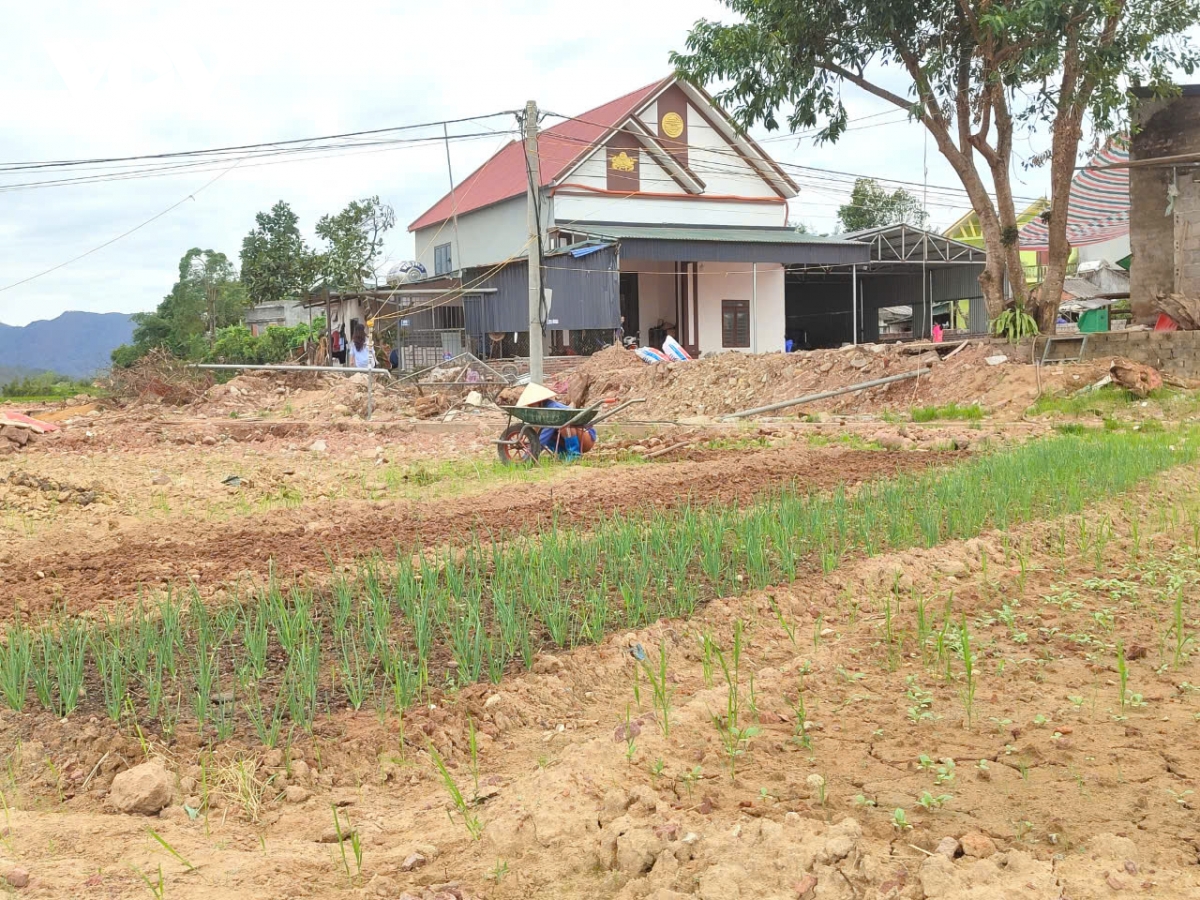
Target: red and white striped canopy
(1099, 209)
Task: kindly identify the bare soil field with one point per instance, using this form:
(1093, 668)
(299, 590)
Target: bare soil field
(902, 670)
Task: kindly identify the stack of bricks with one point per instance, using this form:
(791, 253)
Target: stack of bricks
(1174, 353)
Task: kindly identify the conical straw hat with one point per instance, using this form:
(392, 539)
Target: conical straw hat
(535, 393)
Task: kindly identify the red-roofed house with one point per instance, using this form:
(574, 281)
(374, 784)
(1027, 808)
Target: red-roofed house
(657, 210)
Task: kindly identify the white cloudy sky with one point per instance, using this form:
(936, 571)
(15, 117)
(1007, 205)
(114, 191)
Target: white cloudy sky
(80, 79)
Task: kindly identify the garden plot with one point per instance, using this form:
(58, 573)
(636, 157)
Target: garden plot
(807, 693)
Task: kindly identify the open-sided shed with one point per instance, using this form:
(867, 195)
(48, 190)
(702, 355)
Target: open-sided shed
(830, 305)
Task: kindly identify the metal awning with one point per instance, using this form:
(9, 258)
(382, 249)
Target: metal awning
(903, 244)
(724, 244)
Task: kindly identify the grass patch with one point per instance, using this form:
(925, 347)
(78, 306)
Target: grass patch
(1108, 400)
(395, 630)
(459, 476)
(951, 411)
(849, 439)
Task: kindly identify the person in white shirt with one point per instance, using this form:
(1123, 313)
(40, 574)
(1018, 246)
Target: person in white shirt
(361, 355)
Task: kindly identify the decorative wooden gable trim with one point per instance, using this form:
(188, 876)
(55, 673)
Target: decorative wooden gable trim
(672, 125)
(622, 163)
(681, 175)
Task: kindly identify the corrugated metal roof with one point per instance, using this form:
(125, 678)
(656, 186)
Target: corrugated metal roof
(504, 175)
(722, 234)
(1080, 288)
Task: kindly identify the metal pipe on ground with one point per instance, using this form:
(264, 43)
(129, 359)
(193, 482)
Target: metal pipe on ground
(341, 370)
(825, 395)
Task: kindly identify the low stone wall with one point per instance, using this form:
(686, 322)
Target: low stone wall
(1171, 352)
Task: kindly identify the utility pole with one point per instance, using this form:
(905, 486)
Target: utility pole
(535, 243)
(210, 293)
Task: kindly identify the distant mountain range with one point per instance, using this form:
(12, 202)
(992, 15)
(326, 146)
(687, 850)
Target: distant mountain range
(77, 344)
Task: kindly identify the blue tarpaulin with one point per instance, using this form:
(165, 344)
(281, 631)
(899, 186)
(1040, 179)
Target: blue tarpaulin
(586, 250)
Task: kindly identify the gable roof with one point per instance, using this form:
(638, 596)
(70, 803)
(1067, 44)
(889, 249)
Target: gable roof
(968, 230)
(504, 176)
(562, 148)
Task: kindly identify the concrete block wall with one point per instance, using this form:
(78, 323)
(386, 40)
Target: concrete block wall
(1171, 352)
(1187, 235)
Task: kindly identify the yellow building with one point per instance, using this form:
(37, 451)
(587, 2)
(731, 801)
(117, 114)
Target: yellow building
(968, 231)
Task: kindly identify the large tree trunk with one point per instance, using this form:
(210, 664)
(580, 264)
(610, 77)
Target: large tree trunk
(1062, 170)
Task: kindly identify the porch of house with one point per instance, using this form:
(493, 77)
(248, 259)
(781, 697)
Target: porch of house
(713, 289)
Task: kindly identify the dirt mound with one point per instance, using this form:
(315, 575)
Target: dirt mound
(728, 382)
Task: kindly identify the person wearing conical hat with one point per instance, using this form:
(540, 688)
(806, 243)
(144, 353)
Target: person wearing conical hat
(562, 441)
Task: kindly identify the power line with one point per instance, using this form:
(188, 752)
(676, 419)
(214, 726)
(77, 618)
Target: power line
(209, 165)
(41, 164)
(62, 265)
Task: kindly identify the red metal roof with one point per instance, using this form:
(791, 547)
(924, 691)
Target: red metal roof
(503, 176)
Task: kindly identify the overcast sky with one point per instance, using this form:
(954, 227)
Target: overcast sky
(78, 82)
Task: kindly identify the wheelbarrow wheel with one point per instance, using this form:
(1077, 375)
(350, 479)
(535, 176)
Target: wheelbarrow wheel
(519, 443)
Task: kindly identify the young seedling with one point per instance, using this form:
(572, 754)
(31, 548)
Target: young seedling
(499, 871)
(1182, 637)
(945, 772)
(734, 737)
(660, 688)
(175, 853)
(929, 802)
(789, 628)
(630, 736)
(900, 820)
(473, 825)
(968, 658)
(156, 886)
(706, 647)
(355, 846)
(800, 708)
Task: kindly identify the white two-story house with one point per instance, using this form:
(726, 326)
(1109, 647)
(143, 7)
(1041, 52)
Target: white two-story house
(659, 216)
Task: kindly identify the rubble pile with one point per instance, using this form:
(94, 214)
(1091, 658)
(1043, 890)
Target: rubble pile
(727, 382)
(19, 431)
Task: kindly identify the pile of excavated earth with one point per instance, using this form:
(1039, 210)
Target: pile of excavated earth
(986, 373)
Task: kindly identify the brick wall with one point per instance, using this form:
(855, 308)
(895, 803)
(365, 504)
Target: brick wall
(1166, 248)
(1171, 352)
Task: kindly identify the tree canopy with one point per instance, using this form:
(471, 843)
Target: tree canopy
(182, 319)
(971, 71)
(354, 239)
(277, 264)
(872, 206)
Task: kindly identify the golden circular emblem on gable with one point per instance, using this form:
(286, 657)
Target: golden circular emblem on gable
(672, 125)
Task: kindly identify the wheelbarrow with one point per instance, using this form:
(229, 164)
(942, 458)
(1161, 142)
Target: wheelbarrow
(521, 440)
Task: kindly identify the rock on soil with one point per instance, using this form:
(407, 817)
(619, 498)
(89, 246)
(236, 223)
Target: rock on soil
(977, 845)
(143, 790)
(17, 877)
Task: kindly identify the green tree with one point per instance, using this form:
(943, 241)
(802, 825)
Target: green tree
(206, 295)
(971, 71)
(277, 264)
(871, 206)
(354, 239)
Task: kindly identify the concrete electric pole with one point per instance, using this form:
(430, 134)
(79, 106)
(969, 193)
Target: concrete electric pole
(535, 243)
